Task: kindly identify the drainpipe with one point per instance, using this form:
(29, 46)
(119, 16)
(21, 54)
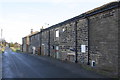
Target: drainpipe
(40, 41)
(88, 22)
(76, 54)
(49, 43)
(22, 43)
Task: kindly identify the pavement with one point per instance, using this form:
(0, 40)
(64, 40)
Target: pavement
(21, 65)
(0, 65)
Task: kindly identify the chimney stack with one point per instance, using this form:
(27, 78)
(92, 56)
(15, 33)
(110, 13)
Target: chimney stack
(31, 31)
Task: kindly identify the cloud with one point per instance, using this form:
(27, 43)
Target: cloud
(17, 21)
(57, 1)
(31, 0)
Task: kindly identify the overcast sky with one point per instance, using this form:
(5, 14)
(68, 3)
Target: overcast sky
(18, 17)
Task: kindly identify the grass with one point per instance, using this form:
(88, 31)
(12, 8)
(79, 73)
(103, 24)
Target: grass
(104, 72)
(18, 51)
(2, 50)
(15, 49)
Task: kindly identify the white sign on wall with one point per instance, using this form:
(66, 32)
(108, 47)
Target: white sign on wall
(83, 48)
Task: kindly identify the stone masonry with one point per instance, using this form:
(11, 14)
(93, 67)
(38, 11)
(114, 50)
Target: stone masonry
(90, 38)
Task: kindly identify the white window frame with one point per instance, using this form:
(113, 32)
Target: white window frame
(63, 29)
(57, 33)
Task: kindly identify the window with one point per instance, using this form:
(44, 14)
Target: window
(56, 37)
(63, 29)
(57, 33)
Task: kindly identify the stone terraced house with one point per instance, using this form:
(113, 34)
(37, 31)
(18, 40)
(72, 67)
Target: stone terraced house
(26, 41)
(90, 38)
(34, 43)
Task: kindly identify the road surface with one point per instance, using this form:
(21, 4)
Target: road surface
(21, 65)
(0, 65)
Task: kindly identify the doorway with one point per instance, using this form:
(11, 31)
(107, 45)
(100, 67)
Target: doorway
(43, 49)
(57, 52)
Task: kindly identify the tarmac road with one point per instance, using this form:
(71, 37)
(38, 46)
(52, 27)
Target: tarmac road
(21, 65)
(0, 65)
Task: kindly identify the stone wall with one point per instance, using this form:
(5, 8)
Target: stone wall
(34, 42)
(91, 37)
(52, 44)
(44, 45)
(82, 39)
(67, 41)
(24, 45)
(103, 40)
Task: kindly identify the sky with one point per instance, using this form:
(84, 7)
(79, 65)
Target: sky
(18, 17)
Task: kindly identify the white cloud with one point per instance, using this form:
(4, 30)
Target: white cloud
(17, 25)
(14, 30)
(57, 1)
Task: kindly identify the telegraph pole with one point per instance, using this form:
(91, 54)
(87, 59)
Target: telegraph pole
(1, 33)
(1, 38)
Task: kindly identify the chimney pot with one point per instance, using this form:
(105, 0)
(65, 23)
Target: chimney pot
(31, 31)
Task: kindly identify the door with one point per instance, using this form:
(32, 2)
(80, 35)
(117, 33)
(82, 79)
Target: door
(33, 49)
(43, 49)
(57, 52)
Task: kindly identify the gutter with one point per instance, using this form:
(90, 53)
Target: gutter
(49, 43)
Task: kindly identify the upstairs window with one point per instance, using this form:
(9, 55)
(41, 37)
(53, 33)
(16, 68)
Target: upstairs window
(57, 33)
(63, 29)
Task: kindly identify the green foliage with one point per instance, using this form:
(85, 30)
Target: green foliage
(11, 44)
(15, 49)
(14, 46)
